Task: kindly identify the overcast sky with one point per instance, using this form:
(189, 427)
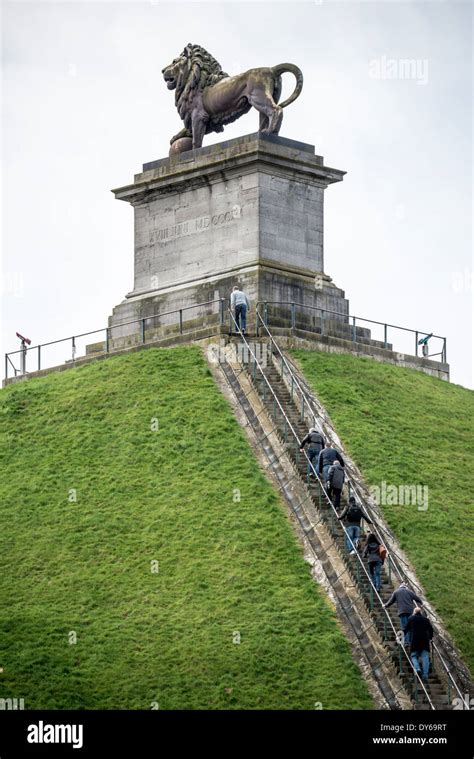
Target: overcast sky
(84, 106)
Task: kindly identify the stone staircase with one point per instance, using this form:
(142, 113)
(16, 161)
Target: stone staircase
(436, 686)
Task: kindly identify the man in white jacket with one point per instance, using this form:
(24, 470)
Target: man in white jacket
(239, 303)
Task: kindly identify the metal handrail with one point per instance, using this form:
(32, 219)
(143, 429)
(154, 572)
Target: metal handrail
(272, 461)
(378, 530)
(331, 505)
(354, 486)
(142, 320)
(385, 325)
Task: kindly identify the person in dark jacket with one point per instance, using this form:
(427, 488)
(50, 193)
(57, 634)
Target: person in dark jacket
(336, 477)
(326, 459)
(353, 513)
(315, 445)
(372, 552)
(421, 634)
(405, 599)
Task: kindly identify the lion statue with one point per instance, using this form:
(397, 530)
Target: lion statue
(207, 98)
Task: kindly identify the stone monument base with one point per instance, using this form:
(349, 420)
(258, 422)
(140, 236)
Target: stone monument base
(187, 308)
(248, 211)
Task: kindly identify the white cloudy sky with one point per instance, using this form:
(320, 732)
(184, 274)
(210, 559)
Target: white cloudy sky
(84, 105)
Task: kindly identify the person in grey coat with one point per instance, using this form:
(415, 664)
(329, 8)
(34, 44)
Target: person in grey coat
(336, 476)
(405, 599)
(315, 445)
(239, 303)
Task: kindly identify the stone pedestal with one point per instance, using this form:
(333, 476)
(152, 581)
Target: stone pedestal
(248, 211)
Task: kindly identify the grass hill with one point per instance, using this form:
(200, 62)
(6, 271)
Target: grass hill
(129, 565)
(406, 428)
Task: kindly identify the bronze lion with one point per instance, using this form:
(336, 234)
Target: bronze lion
(207, 98)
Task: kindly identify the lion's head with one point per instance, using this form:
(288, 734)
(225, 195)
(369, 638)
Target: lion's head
(171, 73)
(189, 73)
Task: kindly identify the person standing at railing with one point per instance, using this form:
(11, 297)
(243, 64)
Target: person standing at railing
(336, 476)
(405, 599)
(421, 632)
(315, 445)
(372, 552)
(353, 513)
(239, 304)
(326, 459)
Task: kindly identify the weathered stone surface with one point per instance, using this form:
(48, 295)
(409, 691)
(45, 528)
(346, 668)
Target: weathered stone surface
(248, 210)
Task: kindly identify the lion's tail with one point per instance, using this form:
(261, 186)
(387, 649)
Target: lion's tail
(282, 68)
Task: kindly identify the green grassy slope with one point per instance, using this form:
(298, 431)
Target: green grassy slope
(406, 428)
(143, 495)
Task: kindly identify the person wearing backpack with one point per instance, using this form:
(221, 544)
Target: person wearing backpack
(336, 476)
(326, 459)
(353, 513)
(375, 556)
(316, 443)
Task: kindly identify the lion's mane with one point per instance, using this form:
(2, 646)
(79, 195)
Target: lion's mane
(202, 70)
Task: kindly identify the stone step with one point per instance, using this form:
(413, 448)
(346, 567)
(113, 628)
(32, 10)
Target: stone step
(382, 625)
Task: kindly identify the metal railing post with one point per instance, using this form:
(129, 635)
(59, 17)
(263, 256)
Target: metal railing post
(265, 313)
(221, 312)
(23, 358)
(107, 340)
(416, 344)
(444, 351)
(385, 342)
(143, 330)
(354, 334)
(322, 322)
(39, 357)
(6, 365)
(180, 321)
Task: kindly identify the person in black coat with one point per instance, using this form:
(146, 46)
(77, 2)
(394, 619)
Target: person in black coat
(372, 552)
(353, 513)
(336, 476)
(421, 633)
(326, 459)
